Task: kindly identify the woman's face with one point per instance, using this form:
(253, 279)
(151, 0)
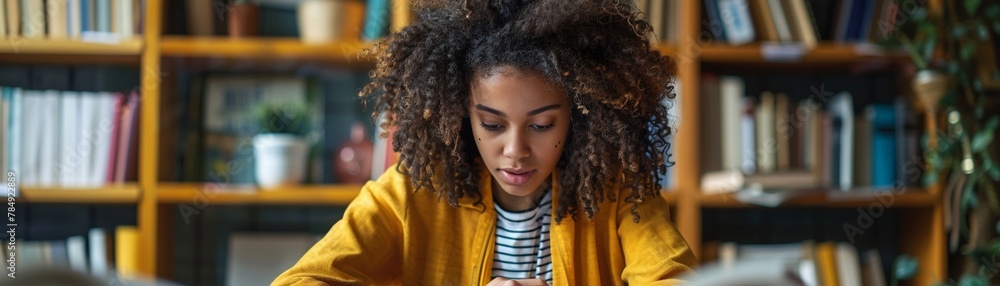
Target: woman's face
(519, 121)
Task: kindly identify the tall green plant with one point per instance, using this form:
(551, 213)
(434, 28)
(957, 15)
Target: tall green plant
(949, 41)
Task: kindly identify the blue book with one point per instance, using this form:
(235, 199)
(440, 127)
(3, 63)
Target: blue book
(376, 20)
(855, 25)
(85, 15)
(715, 22)
(883, 120)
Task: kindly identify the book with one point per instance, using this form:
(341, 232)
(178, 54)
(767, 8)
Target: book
(31, 141)
(104, 119)
(731, 91)
(127, 251)
(12, 9)
(3, 20)
(841, 108)
(748, 163)
(33, 19)
(766, 140)
(715, 24)
(655, 17)
(57, 15)
(76, 251)
(199, 18)
(781, 24)
(763, 21)
(801, 22)
(863, 151)
(115, 127)
(71, 132)
(125, 18)
(74, 18)
(735, 16)
(848, 264)
(882, 118)
(782, 132)
(376, 20)
(826, 263)
(128, 155)
(102, 14)
(401, 14)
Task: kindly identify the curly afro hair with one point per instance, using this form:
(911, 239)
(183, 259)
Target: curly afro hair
(598, 51)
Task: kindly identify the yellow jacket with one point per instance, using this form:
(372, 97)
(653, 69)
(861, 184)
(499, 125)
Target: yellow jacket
(392, 235)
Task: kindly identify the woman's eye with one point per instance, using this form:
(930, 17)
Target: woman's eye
(491, 127)
(542, 127)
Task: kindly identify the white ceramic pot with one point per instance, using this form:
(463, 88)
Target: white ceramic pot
(280, 159)
(319, 21)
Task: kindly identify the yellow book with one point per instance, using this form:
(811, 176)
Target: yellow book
(127, 251)
(826, 263)
(401, 14)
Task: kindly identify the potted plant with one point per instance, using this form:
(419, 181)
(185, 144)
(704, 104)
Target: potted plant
(946, 48)
(280, 147)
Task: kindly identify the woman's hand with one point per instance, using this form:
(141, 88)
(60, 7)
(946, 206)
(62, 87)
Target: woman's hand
(500, 281)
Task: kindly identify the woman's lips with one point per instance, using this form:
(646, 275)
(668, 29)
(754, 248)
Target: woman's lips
(516, 177)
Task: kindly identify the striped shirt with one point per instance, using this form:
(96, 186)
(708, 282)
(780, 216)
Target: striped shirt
(522, 249)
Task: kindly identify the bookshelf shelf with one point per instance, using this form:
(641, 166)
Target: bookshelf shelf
(834, 199)
(298, 195)
(115, 194)
(263, 49)
(829, 53)
(70, 47)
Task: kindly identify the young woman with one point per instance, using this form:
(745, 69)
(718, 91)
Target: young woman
(532, 135)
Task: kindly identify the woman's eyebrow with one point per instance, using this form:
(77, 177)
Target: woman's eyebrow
(530, 113)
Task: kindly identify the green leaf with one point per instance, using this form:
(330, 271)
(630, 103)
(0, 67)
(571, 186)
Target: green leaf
(919, 14)
(993, 12)
(992, 170)
(959, 31)
(982, 31)
(953, 67)
(971, 6)
(929, 41)
(930, 178)
(905, 267)
(984, 137)
(968, 51)
(994, 173)
(992, 123)
(969, 280)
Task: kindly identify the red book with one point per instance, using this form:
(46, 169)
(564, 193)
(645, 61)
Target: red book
(109, 176)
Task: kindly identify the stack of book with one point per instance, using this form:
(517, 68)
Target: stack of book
(107, 21)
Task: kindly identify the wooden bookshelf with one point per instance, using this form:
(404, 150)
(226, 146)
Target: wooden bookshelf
(922, 210)
(298, 195)
(112, 194)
